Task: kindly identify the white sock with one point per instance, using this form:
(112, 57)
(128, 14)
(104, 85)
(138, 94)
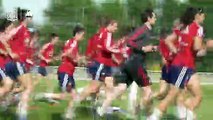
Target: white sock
(22, 111)
(181, 111)
(155, 115)
(100, 111)
(133, 96)
(48, 95)
(69, 113)
(189, 115)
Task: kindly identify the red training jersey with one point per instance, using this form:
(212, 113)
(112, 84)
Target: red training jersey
(186, 55)
(20, 41)
(106, 48)
(68, 65)
(2, 57)
(47, 53)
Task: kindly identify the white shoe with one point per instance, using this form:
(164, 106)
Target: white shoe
(39, 96)
(50, 100)
(152, 118)
(100, 111)
(69, 114)
(21, 112)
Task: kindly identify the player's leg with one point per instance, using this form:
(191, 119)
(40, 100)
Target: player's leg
(118, 90)
(161, 93)
(143, 81)
(109, 85)
(193, 102)
(164, 86)
(139, 74)
(6, 83)
(133, 97)
(177, 79)
(163, 105)
(69, 87)
(93, 87)
(122, 80)
(95, 84)
(44, 76)
(25, 80)
(109, 82)
(63, 79)
(180, 106)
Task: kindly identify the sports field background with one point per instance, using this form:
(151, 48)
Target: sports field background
(42, 110)
(63, 15)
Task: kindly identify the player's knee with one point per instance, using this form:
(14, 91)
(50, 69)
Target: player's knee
(173, 91)
(94, 89)
(122, 87)
(147, 99)
(111, 97)
(199, 98)
(7, 90)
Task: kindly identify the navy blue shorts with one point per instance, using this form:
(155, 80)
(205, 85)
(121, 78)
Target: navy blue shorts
(91, 68)
(179, 75)
(42, 71)
(115, 70)
(14, 69)
(2, 74)
(165, 71)
(66, 82)
(99, 71)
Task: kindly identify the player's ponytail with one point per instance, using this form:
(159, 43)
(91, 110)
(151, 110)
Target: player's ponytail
(189, 15)
(4, 23)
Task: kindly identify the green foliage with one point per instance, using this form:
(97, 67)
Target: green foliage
(64, 15)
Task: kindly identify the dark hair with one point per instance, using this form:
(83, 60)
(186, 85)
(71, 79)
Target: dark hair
(189, 15)
(78, 29)
(21, 14)
(147, 13)
(4, 24)
(109, 21)
(53, 35)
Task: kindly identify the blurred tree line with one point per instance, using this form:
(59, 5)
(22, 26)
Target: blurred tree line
(65, 15)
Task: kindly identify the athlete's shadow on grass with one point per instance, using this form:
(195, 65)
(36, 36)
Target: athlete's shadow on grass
(169, 117)
(8, 115)
(89, 113)
(56, 116)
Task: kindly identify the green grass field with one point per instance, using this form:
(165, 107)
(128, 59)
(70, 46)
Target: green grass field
(41, 110)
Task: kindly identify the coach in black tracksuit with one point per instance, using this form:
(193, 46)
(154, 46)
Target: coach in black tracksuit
(133, 68)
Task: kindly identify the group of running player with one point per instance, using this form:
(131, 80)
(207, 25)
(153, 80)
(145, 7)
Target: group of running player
(113, 65)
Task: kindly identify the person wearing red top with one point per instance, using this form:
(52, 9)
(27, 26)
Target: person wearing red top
(32, 49)
(15, 68)
(133, 69)
(92, 53)
(46, 54)
(183, 74)
(119, 58)
(100, 67)
(167, 58)
(5, 28)
(165, 53)
(70, 59)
